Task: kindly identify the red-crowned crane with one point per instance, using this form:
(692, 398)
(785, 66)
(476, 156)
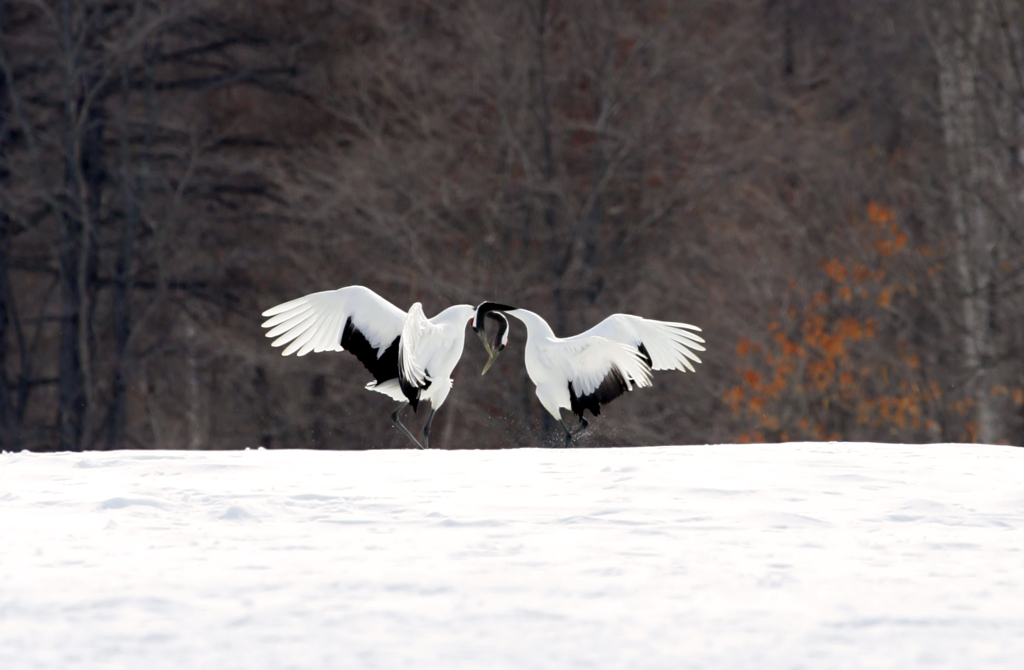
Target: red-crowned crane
(595, 367)
(410, 357)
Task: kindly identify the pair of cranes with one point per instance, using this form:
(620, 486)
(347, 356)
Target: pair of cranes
(412, 357)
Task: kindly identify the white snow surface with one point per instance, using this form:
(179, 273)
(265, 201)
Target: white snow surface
(830, 555)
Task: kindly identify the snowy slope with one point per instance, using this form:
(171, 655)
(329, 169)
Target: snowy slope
(734, 557)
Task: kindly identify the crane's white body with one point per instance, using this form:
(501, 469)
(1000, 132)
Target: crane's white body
(584, 361)
(582, 365)
(410, 356)
(430, 350)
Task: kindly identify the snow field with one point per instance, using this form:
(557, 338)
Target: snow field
(833, 555)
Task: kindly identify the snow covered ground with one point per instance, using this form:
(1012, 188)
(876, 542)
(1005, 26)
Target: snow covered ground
(732, 557)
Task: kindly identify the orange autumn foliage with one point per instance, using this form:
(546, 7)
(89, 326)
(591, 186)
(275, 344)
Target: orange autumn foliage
(878, 214)
(816, 374)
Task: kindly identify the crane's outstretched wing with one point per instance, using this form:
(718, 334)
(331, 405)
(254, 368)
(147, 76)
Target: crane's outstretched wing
(598, 370)
(420, 341)
(353, 318)
(665, 345)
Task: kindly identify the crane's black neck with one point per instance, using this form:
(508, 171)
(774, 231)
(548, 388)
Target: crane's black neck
(483, 309)
(500, 337)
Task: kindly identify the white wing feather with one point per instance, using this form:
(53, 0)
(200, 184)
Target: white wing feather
(587, 361)
(425, 348)
(390, 388)
(315, 322)
(417, 333)
(670, 345)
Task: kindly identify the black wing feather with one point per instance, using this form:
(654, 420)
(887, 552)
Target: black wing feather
(382, 368)
(412, 393)
(612, 387)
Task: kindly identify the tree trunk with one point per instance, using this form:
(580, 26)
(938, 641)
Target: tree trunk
(193, 393)
(8, 429)
(134, 186)
(550, 206)
(956, 52)
(82, 197)
(72, 391)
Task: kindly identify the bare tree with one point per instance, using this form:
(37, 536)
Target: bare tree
(837, 206)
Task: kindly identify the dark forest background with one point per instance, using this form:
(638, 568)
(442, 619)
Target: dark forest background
(832, 190)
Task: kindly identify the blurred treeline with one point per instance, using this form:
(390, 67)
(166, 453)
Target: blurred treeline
(832, 190)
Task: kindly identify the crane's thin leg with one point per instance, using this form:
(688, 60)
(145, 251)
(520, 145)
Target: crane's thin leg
(426, 430)
(568, 433)
(394, 417)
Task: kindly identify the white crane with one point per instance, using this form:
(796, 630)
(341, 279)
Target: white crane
(409, 356)
(595, 367)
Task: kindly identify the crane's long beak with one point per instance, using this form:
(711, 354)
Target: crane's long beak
(490, 352)
(483, 339)
(490, 361)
